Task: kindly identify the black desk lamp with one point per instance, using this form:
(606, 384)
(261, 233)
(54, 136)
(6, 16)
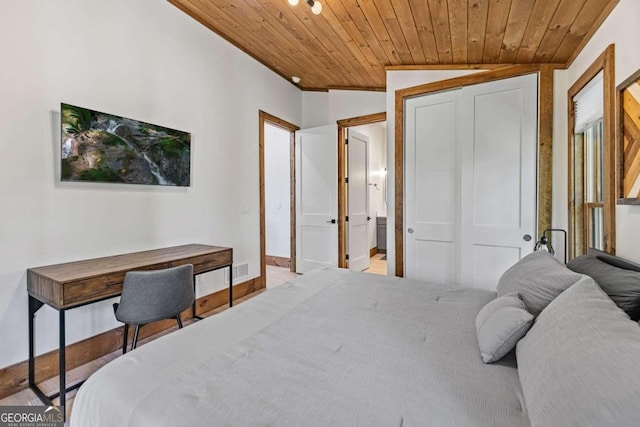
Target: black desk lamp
(543, 243)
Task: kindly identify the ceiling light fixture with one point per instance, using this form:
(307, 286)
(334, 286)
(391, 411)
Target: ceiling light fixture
(315, 5)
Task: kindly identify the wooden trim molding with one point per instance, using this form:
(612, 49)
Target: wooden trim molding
(292, 201)
(342, 174)
(373, 251)
(545, 149)
(447, 67)
(342, 197)
(620, 144)
(14, 378)
(263, 118)
(278, 261)
(357, 88)
(606, 63)
(363, 120)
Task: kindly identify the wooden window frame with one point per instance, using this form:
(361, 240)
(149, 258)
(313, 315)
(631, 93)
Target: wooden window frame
(605, 63)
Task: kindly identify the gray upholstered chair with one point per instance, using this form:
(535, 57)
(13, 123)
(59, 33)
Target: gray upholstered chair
(149, 296)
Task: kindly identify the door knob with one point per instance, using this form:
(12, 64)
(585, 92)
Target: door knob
(410, 231)
(526, 237)
(332, 221)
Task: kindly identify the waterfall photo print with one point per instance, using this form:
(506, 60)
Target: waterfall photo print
(101, 147)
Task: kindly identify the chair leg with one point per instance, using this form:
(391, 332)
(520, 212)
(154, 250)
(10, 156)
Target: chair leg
(135, 337)
(179, 321)
(126, 338)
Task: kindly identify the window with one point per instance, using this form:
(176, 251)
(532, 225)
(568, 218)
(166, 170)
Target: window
(591, 161)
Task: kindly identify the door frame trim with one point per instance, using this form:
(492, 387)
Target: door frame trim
(545, 140)
(342, 174)
(263, 119)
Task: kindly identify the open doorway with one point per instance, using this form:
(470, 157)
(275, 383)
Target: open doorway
(277, 200)
(364, 193)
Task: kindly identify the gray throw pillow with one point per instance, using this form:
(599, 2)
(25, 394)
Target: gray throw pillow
(500, 325)
(622, 286)
(538, 278)
(578, 364)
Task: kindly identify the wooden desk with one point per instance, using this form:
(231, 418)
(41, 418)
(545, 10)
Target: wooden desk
(74, 284)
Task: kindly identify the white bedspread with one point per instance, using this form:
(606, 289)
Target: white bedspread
(333, 348)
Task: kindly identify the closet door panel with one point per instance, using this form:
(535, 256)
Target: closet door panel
(498, 197)
(431, 187)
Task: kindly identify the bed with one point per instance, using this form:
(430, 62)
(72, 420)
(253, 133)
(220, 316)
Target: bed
(331, 348)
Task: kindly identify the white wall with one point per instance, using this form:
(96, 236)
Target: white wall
(377, 164)
(324, 108)
(277, 191)
(315, 109)
(397, 80)
(142, 59)
(620, 28)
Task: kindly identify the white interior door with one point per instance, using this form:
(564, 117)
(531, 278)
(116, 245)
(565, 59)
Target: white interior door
(499, 158)
(470, 180)
(316, 198)
(432, 187)
(358, 200)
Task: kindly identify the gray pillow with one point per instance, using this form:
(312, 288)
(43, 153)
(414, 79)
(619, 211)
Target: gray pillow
(622, 286)
(500, 325)
(538, 278)
(579, 363)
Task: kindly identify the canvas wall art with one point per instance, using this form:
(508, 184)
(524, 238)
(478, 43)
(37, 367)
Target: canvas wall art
(101, 147)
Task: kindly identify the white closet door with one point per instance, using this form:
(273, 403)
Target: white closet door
(499, 149)
(316, 198)
(358, 200)
(470, 181)
(432, 187)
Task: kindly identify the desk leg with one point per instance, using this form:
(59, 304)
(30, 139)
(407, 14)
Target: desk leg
(193, 307)
(34, 305)
(230, 286)
(63, 364)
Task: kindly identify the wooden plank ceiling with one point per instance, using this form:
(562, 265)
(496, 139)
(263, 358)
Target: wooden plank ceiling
(352, 41)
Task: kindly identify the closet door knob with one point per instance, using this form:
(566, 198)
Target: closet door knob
(526, 237)
(410, 231)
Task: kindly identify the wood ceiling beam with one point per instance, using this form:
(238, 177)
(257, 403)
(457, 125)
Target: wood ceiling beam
(459, 67)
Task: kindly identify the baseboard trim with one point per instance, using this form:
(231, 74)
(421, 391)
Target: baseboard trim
(14, 378)
(278, 261)
(373, 251)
